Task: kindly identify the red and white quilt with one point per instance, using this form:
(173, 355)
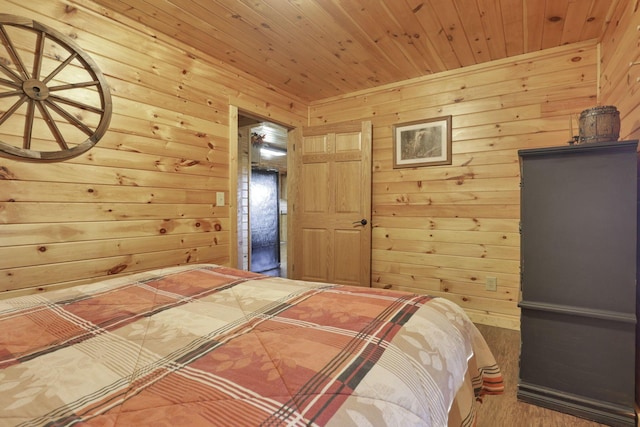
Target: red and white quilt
(204, 345)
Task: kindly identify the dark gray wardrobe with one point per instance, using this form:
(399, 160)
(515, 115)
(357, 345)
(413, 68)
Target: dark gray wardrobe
(579, 248)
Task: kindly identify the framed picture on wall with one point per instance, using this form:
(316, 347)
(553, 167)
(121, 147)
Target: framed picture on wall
(422, 143)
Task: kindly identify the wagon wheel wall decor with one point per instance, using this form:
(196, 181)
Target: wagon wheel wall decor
(54, 101)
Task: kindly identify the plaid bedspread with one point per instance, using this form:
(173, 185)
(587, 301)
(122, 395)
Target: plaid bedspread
(207, 345)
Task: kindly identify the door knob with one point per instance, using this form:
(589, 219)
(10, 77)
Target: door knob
(361, 222)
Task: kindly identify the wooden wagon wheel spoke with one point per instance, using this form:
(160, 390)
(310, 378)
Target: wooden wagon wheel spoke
(37, 66)
(13, 53)
(77, 104)
(32, 77)
(52, 126)
(12, 93)
(74, 86)
(74, 121)
(13, 109)
(9, 72)
(10, 83)
(28, 126)
(60, 67)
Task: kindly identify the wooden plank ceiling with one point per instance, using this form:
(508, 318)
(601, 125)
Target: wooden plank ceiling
(317, 49)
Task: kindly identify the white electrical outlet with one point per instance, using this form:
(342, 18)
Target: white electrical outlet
(491, 284)
(219, 198)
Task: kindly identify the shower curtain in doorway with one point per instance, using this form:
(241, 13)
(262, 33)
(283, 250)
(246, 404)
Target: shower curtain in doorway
(264, 220)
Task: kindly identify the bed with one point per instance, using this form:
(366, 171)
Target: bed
(203, 345)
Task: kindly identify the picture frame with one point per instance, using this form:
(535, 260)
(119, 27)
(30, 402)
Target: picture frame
(422, 143)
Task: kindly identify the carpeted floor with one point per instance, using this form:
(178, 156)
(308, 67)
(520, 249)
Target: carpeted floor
(506, 410)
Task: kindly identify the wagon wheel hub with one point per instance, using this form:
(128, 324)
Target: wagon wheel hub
(35, 89)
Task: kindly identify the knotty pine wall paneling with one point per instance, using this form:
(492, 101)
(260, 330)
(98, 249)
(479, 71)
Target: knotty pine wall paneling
(443, 230)
(144, 196)
(620, 68)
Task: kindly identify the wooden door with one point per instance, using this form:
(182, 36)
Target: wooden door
(332, 204)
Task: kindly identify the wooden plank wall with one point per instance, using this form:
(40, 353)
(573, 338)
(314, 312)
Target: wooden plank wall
(144, 196)
(444, 230)
(620, 68)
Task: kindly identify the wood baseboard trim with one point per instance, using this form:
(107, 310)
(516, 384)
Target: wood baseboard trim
(598, 411)
(500, 321)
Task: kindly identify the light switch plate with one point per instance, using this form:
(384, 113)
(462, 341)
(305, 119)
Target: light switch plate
(219, 198)
(491, 284)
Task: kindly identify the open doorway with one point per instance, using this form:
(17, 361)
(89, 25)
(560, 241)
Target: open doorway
(262, 196)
